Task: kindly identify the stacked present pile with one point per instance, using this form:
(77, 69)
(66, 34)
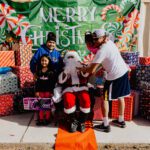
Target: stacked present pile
(8, 81)
(139, 81)
(15, 75)
(143, 85)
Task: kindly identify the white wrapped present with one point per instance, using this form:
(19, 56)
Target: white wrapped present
(8, 83)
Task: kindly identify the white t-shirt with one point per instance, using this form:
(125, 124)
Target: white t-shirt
(109, 56)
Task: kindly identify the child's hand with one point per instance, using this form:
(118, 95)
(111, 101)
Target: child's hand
(37, 94)
(35, 77)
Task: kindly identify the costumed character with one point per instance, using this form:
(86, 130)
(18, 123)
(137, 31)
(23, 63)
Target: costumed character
(74, 86)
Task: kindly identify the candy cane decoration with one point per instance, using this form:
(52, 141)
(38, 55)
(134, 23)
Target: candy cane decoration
(7, 16)
(22, 23)
(109, 7)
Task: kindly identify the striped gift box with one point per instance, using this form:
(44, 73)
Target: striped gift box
(8, 83)
(131, 58)
(6, 104)
(7, 59)
(23, 54)
(25, 76)
(128, 114)
(144, 60)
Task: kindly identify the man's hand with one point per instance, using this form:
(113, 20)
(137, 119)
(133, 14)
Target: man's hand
(89, 69)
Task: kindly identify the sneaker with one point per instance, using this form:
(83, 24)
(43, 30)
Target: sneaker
(46, 122)
(102, 128)
(119, 124)
(40, 122)
(81, 127)
(73, 126)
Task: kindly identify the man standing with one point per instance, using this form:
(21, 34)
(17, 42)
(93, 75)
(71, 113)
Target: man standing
(117, 84)
(48, 49)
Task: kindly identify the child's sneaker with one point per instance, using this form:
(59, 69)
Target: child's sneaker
(119, 124)
(102, 128)
(40, 122)
(46, 122)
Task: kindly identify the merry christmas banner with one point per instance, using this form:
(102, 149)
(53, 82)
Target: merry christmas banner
(70, 19)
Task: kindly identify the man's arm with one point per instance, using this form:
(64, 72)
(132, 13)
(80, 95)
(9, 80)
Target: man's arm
(90, 69)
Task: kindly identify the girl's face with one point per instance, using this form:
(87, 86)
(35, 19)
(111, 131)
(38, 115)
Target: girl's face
(44, 61)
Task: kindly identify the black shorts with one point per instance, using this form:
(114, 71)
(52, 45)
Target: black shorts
(117, 88)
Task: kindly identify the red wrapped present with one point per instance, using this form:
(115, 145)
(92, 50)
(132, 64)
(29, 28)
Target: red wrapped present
(6, 104)
(7, 59)
(128, 108)
(144, 60)
(23, 54)
(25, 76)
(98, 109)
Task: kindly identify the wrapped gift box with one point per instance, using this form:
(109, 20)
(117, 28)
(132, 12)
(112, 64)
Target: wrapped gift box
(7, 59)
(144, 60)
(128, 108)
(142, 74)
(8, 83)
(131, 58)
(6, 104)
(24, 75)
(23, 54)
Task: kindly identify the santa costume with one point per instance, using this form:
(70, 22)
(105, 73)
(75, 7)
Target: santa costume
(74, 83)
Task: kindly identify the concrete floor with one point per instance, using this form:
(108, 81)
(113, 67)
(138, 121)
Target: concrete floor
(22, 129)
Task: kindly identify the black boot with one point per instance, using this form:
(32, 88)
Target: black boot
(82, 118)
(73, 123)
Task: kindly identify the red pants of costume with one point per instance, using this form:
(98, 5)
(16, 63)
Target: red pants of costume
(42, 112)
(70, 101)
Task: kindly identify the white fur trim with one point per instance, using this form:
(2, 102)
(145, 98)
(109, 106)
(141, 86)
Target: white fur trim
(60, 78)
(84, 74)
(75, 89)
(57, 94)
(85, 110)
(72, 53)
(71, 110)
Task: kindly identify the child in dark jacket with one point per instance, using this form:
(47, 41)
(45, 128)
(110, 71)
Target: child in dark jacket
(44, 85)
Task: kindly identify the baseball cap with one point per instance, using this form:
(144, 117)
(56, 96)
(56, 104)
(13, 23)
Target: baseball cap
(99, 33)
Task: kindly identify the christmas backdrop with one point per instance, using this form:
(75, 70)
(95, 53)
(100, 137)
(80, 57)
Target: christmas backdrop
(70, 19)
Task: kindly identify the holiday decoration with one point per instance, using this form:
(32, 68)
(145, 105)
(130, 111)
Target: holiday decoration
(7, 16)
(8, 83)
(109, 7)
(7, 59)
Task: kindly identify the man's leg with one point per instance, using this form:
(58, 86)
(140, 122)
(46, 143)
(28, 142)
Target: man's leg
(120, 122)
(121, 109)
(105, 127)
(105, 111)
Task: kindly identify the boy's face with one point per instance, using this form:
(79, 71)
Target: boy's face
(51, 44)
(44, 61)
